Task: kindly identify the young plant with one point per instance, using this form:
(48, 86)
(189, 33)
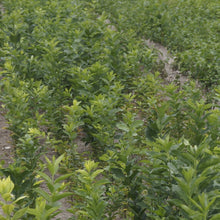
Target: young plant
(25, 181)
(188, 176)
(8, 203)
(91, 193)
(41, 211)
(123, 170)
(49, 201)
(74, 120)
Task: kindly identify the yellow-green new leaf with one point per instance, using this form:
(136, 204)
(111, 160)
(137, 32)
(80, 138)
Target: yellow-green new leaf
(96, 173)
(8, 209)
(215, 217)
(19, 213)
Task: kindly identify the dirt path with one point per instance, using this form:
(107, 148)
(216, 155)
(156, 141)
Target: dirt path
(6, 143)
(171, 75)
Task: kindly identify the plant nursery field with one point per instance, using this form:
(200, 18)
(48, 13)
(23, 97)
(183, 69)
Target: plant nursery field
(111, 109)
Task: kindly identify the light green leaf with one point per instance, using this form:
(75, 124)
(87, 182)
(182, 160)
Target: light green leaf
(44, 194)
(19, 213)
(63, 177)
(195, 215)
(45, 177)
(34, 212)
(51, 211)
(96, 173)
(137, 123)
(8, 208)
(61, 196)
(102, 182)
(57, 163)
(215, 217)
(196, 204)
(18, 199)
(122, 126)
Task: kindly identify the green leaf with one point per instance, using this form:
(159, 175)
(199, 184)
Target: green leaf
(122, 126)
(57, 163)
(137, 123)
(84, 173)
(51, 187)
(211, 202)
(44, 194)
(192, 213)
(189, 174)
(159, 170)
(45, 177)
(184, 188)
(196, 205)
(51, 211)
(63, 177)
(208, 162)
(8, 209)
(118, 172)
(96, 173)
(215, 217)
(172, 168)
(18, 199)
(102, 182)
(90, 165)
(50, 165)
(34, 212)
(19, 213)
(61, 196)
(175, 202)
(151, 133)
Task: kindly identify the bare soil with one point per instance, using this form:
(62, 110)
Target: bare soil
(171, 74)
(6, 143)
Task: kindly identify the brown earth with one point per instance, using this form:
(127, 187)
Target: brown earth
(6, 143)
(171, 74)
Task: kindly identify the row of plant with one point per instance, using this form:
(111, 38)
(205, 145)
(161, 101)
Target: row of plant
(66, 73)
(189, 28)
